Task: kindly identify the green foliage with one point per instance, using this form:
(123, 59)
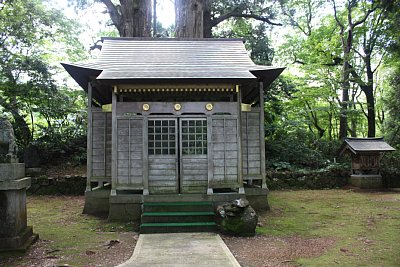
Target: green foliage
(290, 144)
(257, 40)
(390, 169)
(74, 185)
(393, 105)
(61, 148)
(34, 40)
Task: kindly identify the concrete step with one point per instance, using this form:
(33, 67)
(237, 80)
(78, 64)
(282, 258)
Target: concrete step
(177, 206)
(166, 217)
(149, 228)
(175, 217)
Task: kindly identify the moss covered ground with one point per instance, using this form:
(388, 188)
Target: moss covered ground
(68, 237)
(304, 228)
(364, 225)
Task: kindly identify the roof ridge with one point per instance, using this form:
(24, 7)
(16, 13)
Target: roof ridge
(363, 138)
(171, 39)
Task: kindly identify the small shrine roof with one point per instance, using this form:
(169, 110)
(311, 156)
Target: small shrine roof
(365, 145)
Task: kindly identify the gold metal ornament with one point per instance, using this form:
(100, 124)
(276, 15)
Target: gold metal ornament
(209, 106)
(246, 107)
(107, 108)
(146, 107)
(177, 107)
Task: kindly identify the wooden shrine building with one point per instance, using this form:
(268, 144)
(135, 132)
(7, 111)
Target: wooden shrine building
(366, 154)
(173, 118)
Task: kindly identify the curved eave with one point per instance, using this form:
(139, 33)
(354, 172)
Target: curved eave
(82, 75)
(267, 74)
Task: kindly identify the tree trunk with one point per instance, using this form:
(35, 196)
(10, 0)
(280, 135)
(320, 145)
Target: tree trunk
(369, 94)
(154, 18)
(135, 20)
(189, 18)
(207, 24)
(343, 126)
(353, 119)
(371, 111)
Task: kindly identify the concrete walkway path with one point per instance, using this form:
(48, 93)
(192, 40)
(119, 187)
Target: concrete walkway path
(181, 249)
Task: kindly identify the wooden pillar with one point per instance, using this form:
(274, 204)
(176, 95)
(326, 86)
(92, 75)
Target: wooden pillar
(145, 156)
(239, 139)
(114, 146)
(262, 137)
(210, 156)
(89, 138)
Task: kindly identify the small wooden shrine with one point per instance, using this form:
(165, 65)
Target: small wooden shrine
(173, 119)
(366, 154)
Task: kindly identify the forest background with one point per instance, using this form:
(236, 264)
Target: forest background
(342, 76)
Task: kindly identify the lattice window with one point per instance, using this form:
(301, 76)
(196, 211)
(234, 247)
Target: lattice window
(161, 134)
(194, 137)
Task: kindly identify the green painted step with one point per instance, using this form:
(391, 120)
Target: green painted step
(178, 224)
(202, 206)
(152, 228)
(179, 213)
(174, 217)
(176, 203)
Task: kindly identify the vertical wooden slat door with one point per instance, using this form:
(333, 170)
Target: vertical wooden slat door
(225, 152)
(129, 153)
(163, 156)
(193, 155)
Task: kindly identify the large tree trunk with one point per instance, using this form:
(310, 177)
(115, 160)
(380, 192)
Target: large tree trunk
(368, 90)
(132, 18)
(189, 18)
(207, 23)
(371, 110)
(369, 94)
(135, 18)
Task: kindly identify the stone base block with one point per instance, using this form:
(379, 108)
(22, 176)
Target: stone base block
(33, 171)
(23, 183)
(11, 171)
(366, 181)
(97, 202)
(12, 212)
(20, 242)
(125, 207)
(258, 198)
(125, 212)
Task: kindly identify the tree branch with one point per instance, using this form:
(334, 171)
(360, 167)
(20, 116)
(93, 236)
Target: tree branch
(365, 16)
(237, 12)
(362, 108)
(357, 78)
(336, 17)
(380, 61)
(113, 11)
(96, 45)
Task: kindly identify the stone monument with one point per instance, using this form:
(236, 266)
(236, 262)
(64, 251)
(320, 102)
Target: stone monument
(14, 232)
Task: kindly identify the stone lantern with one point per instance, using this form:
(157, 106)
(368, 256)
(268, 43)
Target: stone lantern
(365, 154)
(14, 232)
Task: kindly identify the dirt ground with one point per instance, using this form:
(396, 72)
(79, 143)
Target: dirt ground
(275, 251)
(357, 240)
(249, 251)
(109, 254)
(40, 255)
